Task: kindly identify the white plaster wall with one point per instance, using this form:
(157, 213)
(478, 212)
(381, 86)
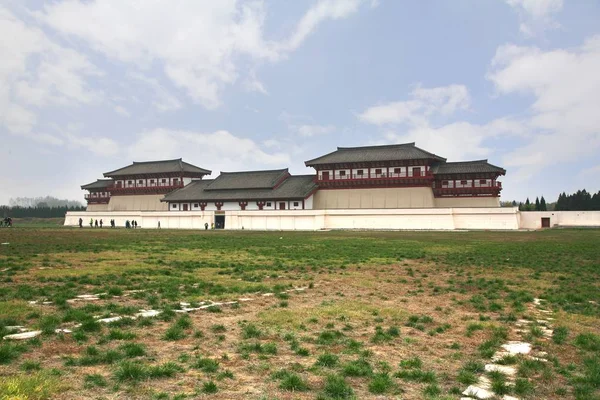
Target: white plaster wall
(486, 218)
(147, 202)
(533, 219)
(470, 202)
(146, 182)
(465, 183)
(97, 207)
(407, 197)
(235, 206)
(385, 219)
(326, 170)
(413, 219)
(308, 202)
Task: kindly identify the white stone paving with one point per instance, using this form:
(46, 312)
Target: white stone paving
(481, 390)
(23, 336)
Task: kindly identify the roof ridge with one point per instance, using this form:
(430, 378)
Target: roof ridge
(157, 161)
(378, 146)
(255, 171)
(463, 162)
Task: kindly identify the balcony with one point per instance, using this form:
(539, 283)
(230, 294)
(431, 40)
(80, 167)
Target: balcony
(155, 188)
(489, 190)
(410, 178)
(93, 198)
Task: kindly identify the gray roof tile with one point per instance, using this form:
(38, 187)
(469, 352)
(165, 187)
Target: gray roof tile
(294, 187)
(466, 167)
(158, 167)
(248, 180)
(99, 184)
(395, 152)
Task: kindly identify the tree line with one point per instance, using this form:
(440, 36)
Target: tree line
(37, 212)
(581, 200)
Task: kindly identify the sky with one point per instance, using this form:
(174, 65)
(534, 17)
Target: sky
(88, 86)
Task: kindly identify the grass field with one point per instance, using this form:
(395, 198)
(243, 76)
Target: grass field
(411, 315)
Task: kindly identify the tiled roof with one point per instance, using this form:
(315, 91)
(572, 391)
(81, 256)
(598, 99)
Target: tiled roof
(99, 184)
(248, 180)
(158, 167)
(395, 152)
(294, 187)
(466, 167)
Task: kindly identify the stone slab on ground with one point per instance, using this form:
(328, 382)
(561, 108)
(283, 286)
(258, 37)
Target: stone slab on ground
(477, 392)
(505, 369)
(23, 336)
(517, 347)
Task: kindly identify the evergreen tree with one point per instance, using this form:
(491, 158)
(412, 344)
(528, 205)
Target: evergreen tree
(537, 204)
(543, 204)
(514, 203)
(527, 205)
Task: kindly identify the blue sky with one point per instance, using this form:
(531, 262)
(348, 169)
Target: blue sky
(89, 86)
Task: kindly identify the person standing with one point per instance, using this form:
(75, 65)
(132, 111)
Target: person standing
(96, 223)
(100, 223)
(158, 224)
(91, 222)
(206, 226)
(81, 222)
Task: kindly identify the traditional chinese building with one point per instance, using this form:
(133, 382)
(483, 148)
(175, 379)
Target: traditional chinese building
(372, 177)
(141, 185)
(247, 190)
(98, 195)
(401, 176)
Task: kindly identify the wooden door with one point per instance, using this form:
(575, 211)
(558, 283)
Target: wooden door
(545, 222)
(185, 207)
(416, 171)
(282, 206)
(325, 175)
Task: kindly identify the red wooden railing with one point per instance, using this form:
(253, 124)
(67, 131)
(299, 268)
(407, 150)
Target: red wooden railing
(362, 177)
(140, 188)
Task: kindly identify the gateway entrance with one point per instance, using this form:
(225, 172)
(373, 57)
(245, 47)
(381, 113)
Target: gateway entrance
(219, 222)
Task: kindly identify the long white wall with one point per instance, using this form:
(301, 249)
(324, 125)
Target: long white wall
(386, 219)
(533, 219)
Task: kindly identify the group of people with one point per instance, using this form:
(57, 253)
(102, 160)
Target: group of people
(94, 223)
(133, 224)
(7, 221)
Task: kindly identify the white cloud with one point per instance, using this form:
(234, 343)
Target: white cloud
(97, 145)
(122, 111)
(536, 15)
(323, 10)
(564, 115)
(457, 141)
(413, 121)
(314, 130)
(36, 72)
(162, 100)
(216, 150)
(198, 43)
(444, 100)
(537, 8)
(253, 84)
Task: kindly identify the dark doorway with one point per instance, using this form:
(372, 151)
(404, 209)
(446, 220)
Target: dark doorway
(219, 222)
(282, 206)
(185, 207)
(545, 222)
(417, 171)
(325, 175)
